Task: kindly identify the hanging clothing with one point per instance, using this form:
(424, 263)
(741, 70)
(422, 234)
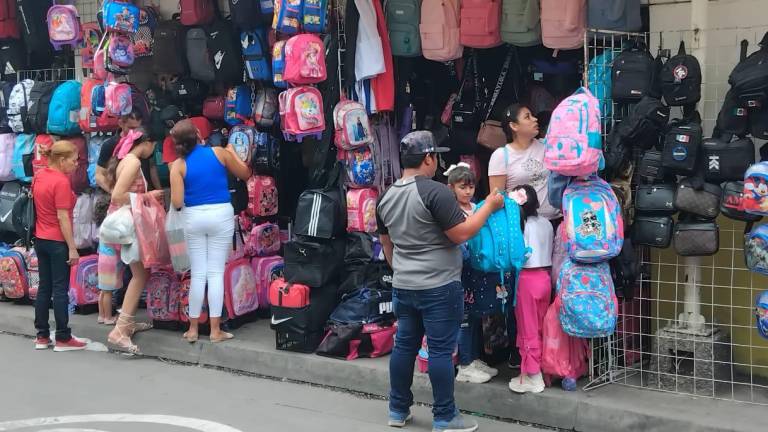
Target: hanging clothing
(384, 84)
(351, 22)
(369, 58)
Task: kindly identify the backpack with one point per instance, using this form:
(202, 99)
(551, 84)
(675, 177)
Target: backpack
(119, 54)
(749, 79)
(18, 104)
(480, 23)
(633, 74)
(304, 60)
(732, 202)
(361, 210)
(301, 113)
(402, 17)
(499, 246)
(37, 106)
(255, 48)
(563, 23)
(287, 19)
(361, 168)
(90, 120)
(184, 302)
(84, 281)
(168, 49)
(22, 157)
(599, 78)
(224, 52)
(117, 99)
(245, 13)
(263, 240)
(9, 27)
(7, 144)
(756, 249)
(82, 221)
(573, 142)
(681, 79)
(6, 87)
(755, 196)
(266, 270)
(682, 142)
(266, 154)
(64, 26)
(33, 270)
(646, 119)
(121, 17)
(143, 39)
(64, 111)
(196, 12)
(520, 22)
(314, 16)
(278, 64)
(198, 56)
(617, 15)
(240, 293)
(92, 36)
(13, 275)
(242, 138)
(40, 162)
(238, 105)
(625, 269)
(262, 196)
(31, 18)
(163, 296)
(352, 128)
(13, 59)
(589, 304)
(78, 179)
(593, 219)
(561, 355)
(266, 107)
(440, 30)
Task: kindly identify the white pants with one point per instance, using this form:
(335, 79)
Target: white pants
(208, 229)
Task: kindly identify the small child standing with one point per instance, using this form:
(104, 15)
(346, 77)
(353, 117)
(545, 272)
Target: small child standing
(534, 291)
(479, 291)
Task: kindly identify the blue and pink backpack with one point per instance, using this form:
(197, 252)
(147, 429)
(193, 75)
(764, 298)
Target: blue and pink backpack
(241, 138)
(589, 305)
(593, 221)
(573, 142)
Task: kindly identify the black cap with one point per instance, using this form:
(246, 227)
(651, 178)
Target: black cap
(420, 142)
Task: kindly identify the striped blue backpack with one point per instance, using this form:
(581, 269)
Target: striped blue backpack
(499, 246)
(589, 306)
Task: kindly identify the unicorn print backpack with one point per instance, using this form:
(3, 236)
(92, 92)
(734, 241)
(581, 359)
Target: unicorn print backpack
(593, 221)
(573, 142)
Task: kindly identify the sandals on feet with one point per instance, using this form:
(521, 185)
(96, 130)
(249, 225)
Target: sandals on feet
(123, 340)
(189, 338)
(109, 322)
(224, 337)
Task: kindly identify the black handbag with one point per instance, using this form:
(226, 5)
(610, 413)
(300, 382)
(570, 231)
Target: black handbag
(704, 202)
(731, 204)
(650, 168)
(682, 142)
(697, 238)
(641, 128)
(655, 199)
(313, 263)
(654, 231)
(726, 160)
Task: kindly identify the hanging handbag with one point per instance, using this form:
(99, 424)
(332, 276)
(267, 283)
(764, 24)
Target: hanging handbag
(704, 203)
(655, 199)
(654, 231)
(697, 238)
(491, 135)
(732, 205)
(464, 112)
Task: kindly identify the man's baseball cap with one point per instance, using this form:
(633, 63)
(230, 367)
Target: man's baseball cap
(420, 142)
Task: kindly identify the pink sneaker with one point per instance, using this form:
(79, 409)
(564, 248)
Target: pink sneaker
(42, 343)
(73, 344)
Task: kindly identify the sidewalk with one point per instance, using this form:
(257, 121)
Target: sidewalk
(610, 408)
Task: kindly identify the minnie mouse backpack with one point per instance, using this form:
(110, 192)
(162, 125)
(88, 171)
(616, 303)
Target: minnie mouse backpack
(64, 26)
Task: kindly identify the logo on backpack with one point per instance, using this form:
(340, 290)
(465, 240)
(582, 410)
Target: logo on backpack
(680, 72)
(218, 58)
(714, 163)
(680, 153)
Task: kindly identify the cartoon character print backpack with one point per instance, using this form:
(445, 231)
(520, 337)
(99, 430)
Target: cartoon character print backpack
(84, 281)
(117, 99)
(266, 270)
(287, 16)
(263, 240)
(163, 296)
(313, 15)
(13, 275)
(120, 16)
(361, 168)
(240, 294)
(756, 249)
(64, 26)
(143, 40)
(241, 139)
(361, 210)
(573, 141)
(278, 64)
(593, 220)
(301, 113)
(350, 121)
(238, 106)
(262, 196)
(304, 60)
(755, 196)
(589, 305)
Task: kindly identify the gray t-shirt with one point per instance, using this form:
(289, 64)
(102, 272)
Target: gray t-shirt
(415, 212)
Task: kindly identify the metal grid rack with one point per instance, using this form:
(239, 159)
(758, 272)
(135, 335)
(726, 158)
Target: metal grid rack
(724, 358)
(59, 74)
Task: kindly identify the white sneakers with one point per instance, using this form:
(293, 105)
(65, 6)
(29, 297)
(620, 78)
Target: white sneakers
(476, 372)
(527, 383)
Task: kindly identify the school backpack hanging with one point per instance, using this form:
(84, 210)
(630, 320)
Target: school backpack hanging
(214, 107)
(245, 14)
(240, 293)
(117, 99)
(6, 87)
(223, 48)
(616, 15)
(92, 35)
(361, 168)
(402, 17)
(589, 304)
(682, 142)
(520, 22)
(119, 55)
(37, 106)
(255, 48)
(84, 281)
(563, 23)
(143, 40)
(361, 210)
(119, 16)
(241, 139)
(64, 26)
(266, 270)
(196, 12)
(633, 74)
(168, 50)
(573, 141)
(749, 79)
(732, 203)
(681, 79)
(287, 19)
(199, 57)
(263, 240)
(480, 23)
(266, 107)
(304, 60)
(238, 105)
(593, 220)
(313, 15)
(352, 128)
(756, 249)
(23, 153)
(7, 144)
(278, 65)
(64, 111)
(262, 196)
(266, 154)
(440, 30)
(39, 162)
(499, 246)
(599, 78)
(163, 297)
(91, 120)
(9, 27)
(18, 104)
(301, 113)
(755, 196)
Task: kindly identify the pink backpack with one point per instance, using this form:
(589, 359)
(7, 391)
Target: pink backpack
(120, 52)
(240, 296)
(13, 275)
(361, 210)
(440, 30)
(563, 23)
(196, 12)
(480, 23)
(562, 355)
(100, 64)
(64, 26)
(7, 144)
(350, 120)
(264, 240)
(304, 60)
(163, 292)
(573, 142)
(84, 281)
(184, 302)
(266, 270)
(301, 113)
(262, 196)
(118, 99)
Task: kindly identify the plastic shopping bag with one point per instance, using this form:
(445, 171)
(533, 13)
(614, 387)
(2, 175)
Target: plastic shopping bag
(149, 218)
(177, 243)
(118, 227)
(564, 355)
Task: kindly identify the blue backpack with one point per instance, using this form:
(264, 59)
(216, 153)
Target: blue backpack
(98, 99)
(121, 17)
(599, 74)
(593, 221)
(363, 306)
(257, 62)
(499, 246)
(289, 18)
(756, 249)
(266, 154)
(313, 13)
(278, 65)
(238, 106)
(94, 150)
(64, 111)
(23, 152)
(589, 305)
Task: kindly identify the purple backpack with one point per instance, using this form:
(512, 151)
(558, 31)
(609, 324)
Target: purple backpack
(573, 142)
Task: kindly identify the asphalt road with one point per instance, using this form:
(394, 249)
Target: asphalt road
(88, 391)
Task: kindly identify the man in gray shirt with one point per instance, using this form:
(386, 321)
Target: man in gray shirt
(421, 226)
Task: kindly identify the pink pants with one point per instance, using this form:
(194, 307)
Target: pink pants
(533, 295)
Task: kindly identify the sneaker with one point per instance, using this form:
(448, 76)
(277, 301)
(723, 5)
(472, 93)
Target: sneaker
(527, 383)
(73, 344)
(457, 424)
(471, 374)
(42, 343)
(399, 419)
(483, 366)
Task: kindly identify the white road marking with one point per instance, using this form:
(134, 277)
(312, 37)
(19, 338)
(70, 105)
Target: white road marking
(183, 422)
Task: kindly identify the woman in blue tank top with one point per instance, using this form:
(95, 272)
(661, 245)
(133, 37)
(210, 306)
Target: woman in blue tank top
(199, 188)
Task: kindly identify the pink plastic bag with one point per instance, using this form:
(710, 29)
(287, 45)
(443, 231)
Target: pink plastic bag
(149, 219)
(563, 355)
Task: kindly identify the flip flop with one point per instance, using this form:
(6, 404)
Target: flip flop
(224, 337)
(189, 338)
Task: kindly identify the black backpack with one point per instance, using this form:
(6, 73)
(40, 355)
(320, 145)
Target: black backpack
(733, 117)
(625, 269)
(633, 73)
(37, 111)
(12, 58)
(616, 155)
(681, 79)
(168, 50)
(682, 142)
(266, 154)
(749, 79)
(246, 14)
(9, 194)
(225, 52)
(321, 213)
(646, 119)
(199, 55)
(23, 216)
(5, 93)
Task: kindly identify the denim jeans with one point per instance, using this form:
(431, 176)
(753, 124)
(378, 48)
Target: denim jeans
(438, 313)
(470, 339)
(52, 259)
